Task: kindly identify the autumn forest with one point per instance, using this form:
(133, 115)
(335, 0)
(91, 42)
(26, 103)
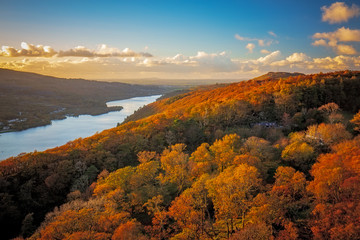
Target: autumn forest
(277, 158)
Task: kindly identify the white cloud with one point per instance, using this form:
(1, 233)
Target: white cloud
(79, 51)
(269, 58)
(339, 12)
(320, 42)
(337, 63)
(340, 35)
(214, 62)
(201, 62)
(314, 65)
(238, 37)
(250, 47)
(179, 57)
(345, 49)
(272, 33)
(102, 51)
(30, 50)
(348, 35)
(295, 60)
(264, 51)
(261, 42)
(298, 57)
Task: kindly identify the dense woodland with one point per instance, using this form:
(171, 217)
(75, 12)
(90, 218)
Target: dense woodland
(31, 100)
(259, 159)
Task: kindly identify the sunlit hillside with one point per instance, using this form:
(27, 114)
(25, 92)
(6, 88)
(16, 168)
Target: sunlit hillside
(258, 159)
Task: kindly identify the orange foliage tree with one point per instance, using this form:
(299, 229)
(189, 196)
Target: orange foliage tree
(356, 121)
(191, 211)
(336, 187)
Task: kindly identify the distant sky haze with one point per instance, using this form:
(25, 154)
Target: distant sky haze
(173, 39)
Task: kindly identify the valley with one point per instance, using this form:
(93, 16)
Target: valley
(30, 100)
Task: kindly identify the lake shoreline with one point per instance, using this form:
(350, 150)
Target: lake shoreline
(59, 132)
(90, 112)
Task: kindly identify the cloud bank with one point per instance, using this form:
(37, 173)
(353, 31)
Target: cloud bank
(201, 65)
(30, 50)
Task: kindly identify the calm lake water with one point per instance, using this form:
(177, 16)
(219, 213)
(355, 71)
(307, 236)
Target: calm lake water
(63, 131)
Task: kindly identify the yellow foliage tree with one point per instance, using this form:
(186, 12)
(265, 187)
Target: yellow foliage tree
(298, 154)
(225, 150)
(175, 164)
(201, 161)
(231, 192)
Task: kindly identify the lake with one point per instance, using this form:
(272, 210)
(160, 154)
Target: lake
(62, 131)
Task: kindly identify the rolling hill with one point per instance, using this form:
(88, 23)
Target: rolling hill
(270, 159)
(277, 75)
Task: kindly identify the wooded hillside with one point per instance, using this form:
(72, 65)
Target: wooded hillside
(259, 159)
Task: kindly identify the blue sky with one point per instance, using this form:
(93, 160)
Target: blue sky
(170, 27)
